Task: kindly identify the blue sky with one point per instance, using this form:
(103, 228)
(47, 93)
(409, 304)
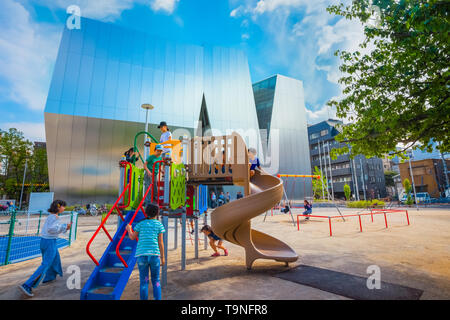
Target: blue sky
(296, 38)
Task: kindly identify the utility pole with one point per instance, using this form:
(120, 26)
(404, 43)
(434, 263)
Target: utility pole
(412, 178)
(326, 170)
(447, 184)
(321, 172)
(331, 174)
(23, 183)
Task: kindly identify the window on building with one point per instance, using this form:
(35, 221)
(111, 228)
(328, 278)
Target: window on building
(314, 135)
(323, 132)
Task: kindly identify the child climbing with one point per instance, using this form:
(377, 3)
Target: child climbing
(131, 156)
(149, 251)
(165, 136)
(148, 166)
(254, 161)
(308, 209)
(51, 261)
(212, 241)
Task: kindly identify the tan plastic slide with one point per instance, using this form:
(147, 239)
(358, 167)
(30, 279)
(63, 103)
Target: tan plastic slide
(232, 221)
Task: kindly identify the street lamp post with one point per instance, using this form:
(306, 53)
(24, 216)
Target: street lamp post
(147, 107)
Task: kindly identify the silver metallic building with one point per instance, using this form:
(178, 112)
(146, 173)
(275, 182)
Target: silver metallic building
(102, 75)
(281, 114)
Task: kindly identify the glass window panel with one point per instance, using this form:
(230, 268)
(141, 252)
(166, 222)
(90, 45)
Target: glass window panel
(110, 93)
(123, 85)
(98, 82)
(85, 79)
(95, 111)
(91, 30)
(108, 113)
(147, 87)
(57, 81)
(135, 86)
(81, 109)
(66, 108)
(170, 57)
(138, 48)
(115, 42)
(52, 106)
(168, 93)
(76, 41)
(151, 53)
(126, 46)
(102, 44)
(71, 77)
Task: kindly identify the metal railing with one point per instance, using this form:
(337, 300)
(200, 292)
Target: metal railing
(140, 207)
(371, 213)
(116, 206)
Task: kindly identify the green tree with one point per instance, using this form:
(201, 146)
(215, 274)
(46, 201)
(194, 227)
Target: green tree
(347, 192)
(389, 178)
(39, 171)
(15, 150)
(318, 183)
(399, 92)
(407, 186)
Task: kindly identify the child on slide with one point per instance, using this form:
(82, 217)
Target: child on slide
(254, 161)
(212, 241)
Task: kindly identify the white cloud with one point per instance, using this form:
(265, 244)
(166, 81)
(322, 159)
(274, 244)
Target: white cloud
(32, 131)
(320, 114)
(27, 53)
(110, 10)
(164, 5)
(348, 33)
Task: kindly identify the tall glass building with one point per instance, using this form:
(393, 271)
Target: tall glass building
(102, 75)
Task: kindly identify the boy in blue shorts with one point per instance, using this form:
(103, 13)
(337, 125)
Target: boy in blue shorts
(212, 241)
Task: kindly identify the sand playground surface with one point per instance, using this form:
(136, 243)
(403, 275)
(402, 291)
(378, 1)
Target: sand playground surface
(416, 256)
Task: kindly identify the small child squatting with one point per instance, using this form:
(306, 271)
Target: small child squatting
(212, 241)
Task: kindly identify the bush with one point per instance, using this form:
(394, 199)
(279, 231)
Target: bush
(366, 204)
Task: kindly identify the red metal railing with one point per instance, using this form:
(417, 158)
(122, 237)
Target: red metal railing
(116, 206)
(140, 207)
(372, 213)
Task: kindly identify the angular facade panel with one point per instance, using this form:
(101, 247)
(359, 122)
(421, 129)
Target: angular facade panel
(281, 111)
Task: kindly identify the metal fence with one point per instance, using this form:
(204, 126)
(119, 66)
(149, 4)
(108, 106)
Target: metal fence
(20, 234)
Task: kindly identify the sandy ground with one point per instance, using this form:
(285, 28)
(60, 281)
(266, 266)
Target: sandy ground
(416, 256)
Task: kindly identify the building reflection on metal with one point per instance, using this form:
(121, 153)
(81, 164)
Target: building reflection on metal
(102, 75)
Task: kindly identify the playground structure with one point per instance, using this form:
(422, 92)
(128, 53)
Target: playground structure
(19, 235)
(182, 194)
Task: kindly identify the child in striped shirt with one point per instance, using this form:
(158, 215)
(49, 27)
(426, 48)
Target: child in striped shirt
(149, 251)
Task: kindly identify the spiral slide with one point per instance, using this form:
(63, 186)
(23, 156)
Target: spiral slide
(232, 221)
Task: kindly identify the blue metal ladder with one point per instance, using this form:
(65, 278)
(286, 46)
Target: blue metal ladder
(110, 277)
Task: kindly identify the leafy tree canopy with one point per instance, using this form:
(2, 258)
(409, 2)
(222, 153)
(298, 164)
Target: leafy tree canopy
(398, 94)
